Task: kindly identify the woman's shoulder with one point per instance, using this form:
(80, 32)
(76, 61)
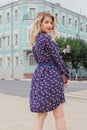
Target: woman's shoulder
(44, 37)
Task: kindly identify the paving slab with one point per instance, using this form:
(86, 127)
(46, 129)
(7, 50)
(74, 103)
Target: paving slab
(15, 114)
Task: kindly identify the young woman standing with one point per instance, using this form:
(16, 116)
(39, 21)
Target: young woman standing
(50, 76)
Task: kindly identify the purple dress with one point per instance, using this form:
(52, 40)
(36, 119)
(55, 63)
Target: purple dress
(47, 90)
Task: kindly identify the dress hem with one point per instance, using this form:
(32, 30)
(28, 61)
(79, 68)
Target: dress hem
(48, 110)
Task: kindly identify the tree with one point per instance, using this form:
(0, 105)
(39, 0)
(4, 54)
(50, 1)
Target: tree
(78, 54)
(83, 53)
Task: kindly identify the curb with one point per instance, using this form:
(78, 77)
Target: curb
(81, 95)
(15, 79)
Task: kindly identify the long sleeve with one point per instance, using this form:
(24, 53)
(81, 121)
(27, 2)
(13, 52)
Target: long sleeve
(57, 58)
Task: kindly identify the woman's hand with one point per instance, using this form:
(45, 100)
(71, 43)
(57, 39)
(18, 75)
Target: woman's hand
(65, 81)
(66, 84)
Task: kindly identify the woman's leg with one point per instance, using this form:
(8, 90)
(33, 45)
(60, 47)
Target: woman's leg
(59, 118)
(38, 124)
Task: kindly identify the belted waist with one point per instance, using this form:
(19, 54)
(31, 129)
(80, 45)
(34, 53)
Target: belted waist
(46, 64)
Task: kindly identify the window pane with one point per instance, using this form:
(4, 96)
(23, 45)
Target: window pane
(0, 19)
(16, 15)
(0, 42)
(16, 60)
(32, 60)
(16, 39)
(0, 62)
(32, 12)
(8, 40)
(8, 17)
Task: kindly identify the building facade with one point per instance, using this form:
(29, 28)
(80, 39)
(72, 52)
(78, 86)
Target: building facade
(16, 18)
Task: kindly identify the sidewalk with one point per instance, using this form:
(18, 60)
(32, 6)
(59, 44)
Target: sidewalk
(15, 114)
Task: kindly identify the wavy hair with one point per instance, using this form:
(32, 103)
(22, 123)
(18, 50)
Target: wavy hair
(36, 28)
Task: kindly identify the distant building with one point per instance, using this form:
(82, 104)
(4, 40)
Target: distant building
(16, 58)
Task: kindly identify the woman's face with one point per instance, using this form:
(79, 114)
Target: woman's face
(47, 24)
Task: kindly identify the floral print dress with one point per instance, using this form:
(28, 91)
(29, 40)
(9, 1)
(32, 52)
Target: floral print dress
(47, 90)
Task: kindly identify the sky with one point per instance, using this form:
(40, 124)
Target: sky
(79, 6)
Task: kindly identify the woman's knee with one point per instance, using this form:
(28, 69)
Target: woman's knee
(58, 112)
(42, 115)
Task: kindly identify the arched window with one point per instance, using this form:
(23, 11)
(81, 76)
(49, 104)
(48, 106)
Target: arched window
(16, 60)
(81, 29)
(86, 28)
(8, 61)
(0, 62)
(0, 42)
(32, 13)
(31, 59)
(75, 24)
(8, 40)
(16, 15)
(63, 20)
(8, 17)
(16, 39)
(70, 22)
(56, 17)
(0, 19)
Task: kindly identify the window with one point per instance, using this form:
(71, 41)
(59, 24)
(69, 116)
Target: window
(16, 39)
(8, 17)
(32, 60)
(8, 61)
(63, 20)
(32, 13)
(16, 60)
(0, 19)
(70, 21)
(29, 30)
(16, 15)
(0, 42)
(56, 17)
(86, 28)
(75, 24)
(81, 29)
(8, 41)
(0, 62)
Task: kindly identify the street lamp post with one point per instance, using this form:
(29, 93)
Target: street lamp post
(65, 50)
(12, 70)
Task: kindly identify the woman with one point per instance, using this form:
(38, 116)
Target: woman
(48, 81)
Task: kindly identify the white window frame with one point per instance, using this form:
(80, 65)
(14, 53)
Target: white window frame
(16, 60)
(8, 40)
(63, 20)
(56, 17)
(8, 17)
(35, 13)
(0, 20)
(0, 42)
(70, 22)
(0, 61)
(86, 28)
(31, 58)
(76, 24)
(8, 61)
(16, 39)
(16, 15)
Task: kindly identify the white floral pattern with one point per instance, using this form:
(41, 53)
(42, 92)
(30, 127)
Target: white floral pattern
(47, 90)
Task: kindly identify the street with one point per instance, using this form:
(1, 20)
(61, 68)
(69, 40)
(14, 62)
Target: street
(22, 88)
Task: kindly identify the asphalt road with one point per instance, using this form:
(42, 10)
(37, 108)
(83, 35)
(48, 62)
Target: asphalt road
(22, 88)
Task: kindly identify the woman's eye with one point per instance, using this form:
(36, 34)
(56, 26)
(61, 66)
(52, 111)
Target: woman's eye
(46, 22)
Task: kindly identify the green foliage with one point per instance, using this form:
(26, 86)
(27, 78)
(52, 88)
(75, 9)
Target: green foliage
(78, 54)
(83, 53)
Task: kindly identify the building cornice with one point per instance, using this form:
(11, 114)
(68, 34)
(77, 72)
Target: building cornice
(54, 5)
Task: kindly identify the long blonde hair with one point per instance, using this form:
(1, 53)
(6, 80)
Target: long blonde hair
(36, 28)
